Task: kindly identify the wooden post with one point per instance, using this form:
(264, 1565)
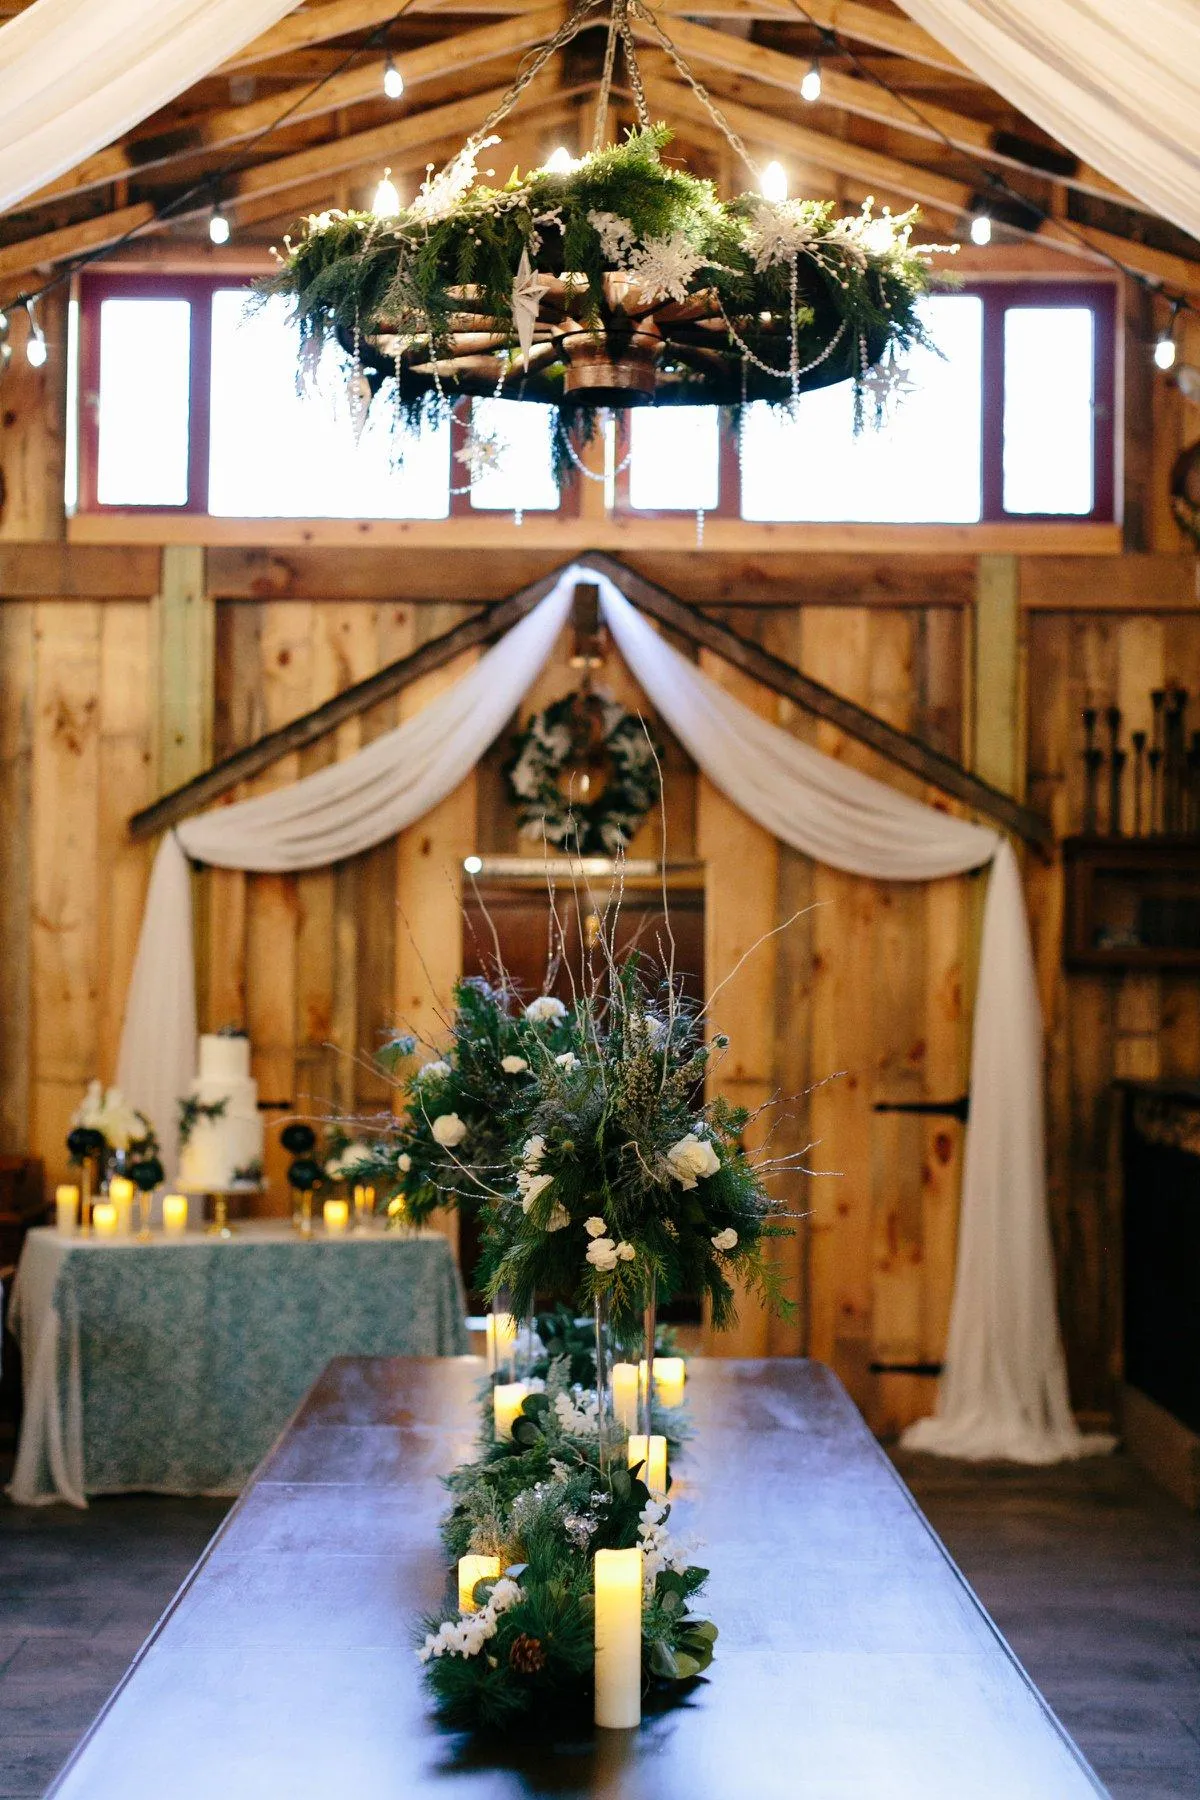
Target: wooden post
(186, 630)
(998, 751)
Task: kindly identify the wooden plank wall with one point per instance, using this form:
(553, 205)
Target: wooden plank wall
(865, 998)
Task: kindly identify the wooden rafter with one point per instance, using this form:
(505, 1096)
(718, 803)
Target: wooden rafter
(696, 627)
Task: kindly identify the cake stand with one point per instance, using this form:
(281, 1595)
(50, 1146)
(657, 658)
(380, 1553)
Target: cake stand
(220, 1197)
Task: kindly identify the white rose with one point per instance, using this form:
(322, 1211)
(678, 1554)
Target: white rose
(404, 1162)
(625, 1252)
(545, 1010)
(595, 1227)
(602, 1254)
(531, 1187)
(449, 1130)
(655, 1027)
(691, 1158)
(513, 1065)
(559, 1218)
(430, 1070)
(568, 1061)
(725, 1240)
(533, 1151)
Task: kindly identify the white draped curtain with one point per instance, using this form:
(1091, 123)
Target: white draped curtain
(1116, 81)
(1005, 1391)
(76, 74)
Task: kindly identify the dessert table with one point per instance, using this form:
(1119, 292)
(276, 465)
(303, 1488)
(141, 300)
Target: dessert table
(854, 1663)
(171, 1366)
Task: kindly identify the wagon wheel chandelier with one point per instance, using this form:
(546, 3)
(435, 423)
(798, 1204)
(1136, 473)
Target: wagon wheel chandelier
(616, 281)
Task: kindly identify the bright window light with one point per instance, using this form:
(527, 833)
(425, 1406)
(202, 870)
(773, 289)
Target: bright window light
(1049, 359)
(523, 477)
(276, 454)
(145, 369)
(922, 467)
(674, 460)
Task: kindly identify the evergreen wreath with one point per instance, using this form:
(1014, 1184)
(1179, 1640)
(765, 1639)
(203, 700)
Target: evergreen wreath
(589, 725)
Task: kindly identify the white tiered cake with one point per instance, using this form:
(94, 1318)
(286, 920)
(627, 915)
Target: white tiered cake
(223, 1148)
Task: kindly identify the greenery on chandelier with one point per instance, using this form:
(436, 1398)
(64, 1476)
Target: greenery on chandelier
(751, 298)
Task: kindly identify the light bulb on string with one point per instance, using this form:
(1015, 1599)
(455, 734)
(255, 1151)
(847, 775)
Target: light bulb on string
(37, 351)
(810, 87)
(386, 204)
(773, 183)
(560, 162)
(393, 80)
(1164, 352)
(218, 226)
(981, 229)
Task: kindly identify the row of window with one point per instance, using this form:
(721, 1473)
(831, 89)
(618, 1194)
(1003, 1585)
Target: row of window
(189, 401)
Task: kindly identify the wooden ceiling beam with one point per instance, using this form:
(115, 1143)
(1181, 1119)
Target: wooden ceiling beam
(52, 247)
(225, 126)
(866, 100)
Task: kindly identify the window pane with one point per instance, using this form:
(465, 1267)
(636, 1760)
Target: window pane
(277, 454)
(523, 476)
(145, 367)
(923, 466)
(673, 464)
(1049, 359)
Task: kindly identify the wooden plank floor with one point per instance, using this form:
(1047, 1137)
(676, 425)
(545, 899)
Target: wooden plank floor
(1090, 1572)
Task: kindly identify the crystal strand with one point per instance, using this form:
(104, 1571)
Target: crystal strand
(699, 528)
(518, 516)
(794, 356)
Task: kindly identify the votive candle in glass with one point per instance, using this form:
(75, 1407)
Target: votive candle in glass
(670, 1374)
(175, 1213)
(501, 1329)
(105, 1219)
(652, 1452)
(625, 1377)
(618, 1579)
(336, 1214)
(507, 1398)
(66, 1209)
(121, 1194)
(470, 1570)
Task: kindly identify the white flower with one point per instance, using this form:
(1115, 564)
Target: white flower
(449, 1130)
(546, 1009)
(655, 1028)
(404, 1162)
(625, 1252)
(559, 1218)
(595, 1227)
(602, 1254)
(615, 233)
(691, 1158)
(533, 1150)
(779, 233)
(568, 1061)
(725, 1240)
(513, 1065)
(432, 1071)
(531, 1187)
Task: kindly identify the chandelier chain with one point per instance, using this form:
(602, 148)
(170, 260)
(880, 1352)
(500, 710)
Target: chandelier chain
(635, 73)
(580, 16)
(606, 80)
(694, 82)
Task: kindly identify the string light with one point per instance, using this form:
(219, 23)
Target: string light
(5, 346)
(1165, 349)
(981, 229)
(386, 204)
(218, 226)
(561, 162)
(810, 87)
(393, 80)
(36, 348)
(773, 183)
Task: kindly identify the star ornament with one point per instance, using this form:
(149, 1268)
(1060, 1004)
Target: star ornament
(526, 303)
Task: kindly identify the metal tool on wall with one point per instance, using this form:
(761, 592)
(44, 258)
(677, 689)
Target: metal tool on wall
(1165, 771)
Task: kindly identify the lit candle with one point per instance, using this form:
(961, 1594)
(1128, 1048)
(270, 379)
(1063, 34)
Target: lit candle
(175, 1212)
(66, 1202)
(652, 1452)
(104, 1219)
(337, 1216)
(625, 1382)
(470, 1570)
(618, 1575)
(506, 1405)
(121, 1193)
(670, 1373)
(501, 1330)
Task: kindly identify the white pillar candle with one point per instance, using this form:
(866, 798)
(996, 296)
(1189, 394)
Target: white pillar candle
(625, 1395)
(121, 1193)
(470, 1570)
(507, 1397)
(618, 1577)
(175, 1213)
(66, 1205)
(652, 1452)
(501, 1329)
(670, 1374)
(104, 1219)
(337, 1216)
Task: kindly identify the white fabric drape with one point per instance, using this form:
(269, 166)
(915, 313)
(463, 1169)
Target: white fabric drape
(76, 74)
(1117, 81)
(1005, 1393)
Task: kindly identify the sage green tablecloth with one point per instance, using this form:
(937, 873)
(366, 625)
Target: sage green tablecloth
(171, 1366)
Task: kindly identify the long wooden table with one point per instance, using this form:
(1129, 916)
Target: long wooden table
(854, 1663)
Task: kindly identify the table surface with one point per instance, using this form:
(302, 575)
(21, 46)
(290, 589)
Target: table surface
(853, 1663)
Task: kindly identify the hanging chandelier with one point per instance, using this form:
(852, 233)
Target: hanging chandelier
(616, 281)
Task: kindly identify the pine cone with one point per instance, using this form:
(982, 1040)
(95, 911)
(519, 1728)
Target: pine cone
(526, 1655)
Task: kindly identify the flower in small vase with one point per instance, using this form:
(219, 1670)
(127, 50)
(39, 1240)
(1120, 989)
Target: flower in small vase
(448, 1130)
(691, 1158)
(545, 1010)
(595, 1227)
(513, 1065)
(725, 1240)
